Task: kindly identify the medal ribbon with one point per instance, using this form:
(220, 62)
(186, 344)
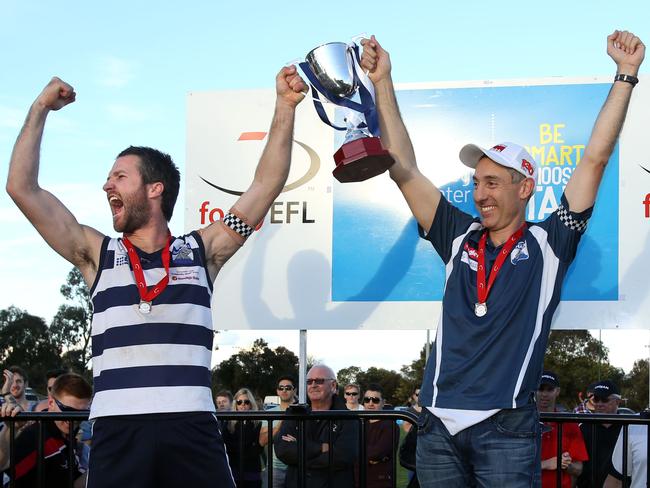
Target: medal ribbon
(481, 288)
(147, 295)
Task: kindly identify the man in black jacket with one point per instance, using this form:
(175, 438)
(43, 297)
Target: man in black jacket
(321, 391)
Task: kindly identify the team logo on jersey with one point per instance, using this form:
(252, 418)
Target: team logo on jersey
(121, 256)
(470, 257)
(182, 253)
(519, 253)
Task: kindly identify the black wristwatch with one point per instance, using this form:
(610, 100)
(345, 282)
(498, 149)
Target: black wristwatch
(632, 80)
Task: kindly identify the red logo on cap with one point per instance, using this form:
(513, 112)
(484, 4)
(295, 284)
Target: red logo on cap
(498, 148)
(526, 166)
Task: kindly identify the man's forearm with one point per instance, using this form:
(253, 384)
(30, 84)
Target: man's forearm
(394, 136)
(608, 124)
(4, 447)
(24, 165)
(273, 167)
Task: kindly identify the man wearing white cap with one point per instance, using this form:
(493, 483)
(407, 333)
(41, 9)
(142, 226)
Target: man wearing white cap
(503, 280)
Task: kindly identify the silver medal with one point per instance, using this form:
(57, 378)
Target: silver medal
(144, 307)
(480, 309)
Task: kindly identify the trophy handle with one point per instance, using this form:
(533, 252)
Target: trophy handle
(357, 39)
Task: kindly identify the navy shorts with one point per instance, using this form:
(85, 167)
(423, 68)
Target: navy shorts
(157, 451)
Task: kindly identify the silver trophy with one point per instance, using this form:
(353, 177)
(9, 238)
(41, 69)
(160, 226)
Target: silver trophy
(333, 71)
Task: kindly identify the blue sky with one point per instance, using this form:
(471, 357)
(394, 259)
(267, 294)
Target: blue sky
(133, 63)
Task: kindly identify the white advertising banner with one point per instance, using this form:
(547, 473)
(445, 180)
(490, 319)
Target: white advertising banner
(348, 256)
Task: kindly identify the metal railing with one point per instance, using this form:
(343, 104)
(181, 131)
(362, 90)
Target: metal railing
(39, 417)
(593, 419)
(301, 414)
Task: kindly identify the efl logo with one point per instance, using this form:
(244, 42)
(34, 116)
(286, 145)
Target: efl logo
(314, 165)
(499, 148)
(280, 212)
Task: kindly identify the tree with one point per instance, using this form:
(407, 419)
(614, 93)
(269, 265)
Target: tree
(257, 368)
(25, 341)
(348, 375)
(578, 359)
(71, 326)
(635, 386)
(388, 379)
(413, 375)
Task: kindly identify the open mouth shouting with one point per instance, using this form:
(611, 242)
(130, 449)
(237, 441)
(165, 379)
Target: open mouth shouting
(117, 205)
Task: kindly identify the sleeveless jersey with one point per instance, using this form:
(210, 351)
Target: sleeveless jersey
(158, 362)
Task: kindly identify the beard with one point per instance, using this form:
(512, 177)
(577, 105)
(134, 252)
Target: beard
(136, 213)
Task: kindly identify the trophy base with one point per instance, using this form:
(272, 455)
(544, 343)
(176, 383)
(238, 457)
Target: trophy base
(361, 159)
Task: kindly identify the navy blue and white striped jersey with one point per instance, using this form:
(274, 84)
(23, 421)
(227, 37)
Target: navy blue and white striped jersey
(480, 365)
(157, 362)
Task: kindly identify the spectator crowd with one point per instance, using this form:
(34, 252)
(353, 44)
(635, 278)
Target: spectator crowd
(591, 452)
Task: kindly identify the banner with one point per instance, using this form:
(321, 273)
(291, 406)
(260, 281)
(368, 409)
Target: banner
(348, 256)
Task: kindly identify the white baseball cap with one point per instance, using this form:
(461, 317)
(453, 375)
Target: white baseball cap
(506, 154)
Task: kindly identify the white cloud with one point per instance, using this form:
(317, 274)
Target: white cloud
(11, 118)
(10, 215)
(126, 113)
(116, 72)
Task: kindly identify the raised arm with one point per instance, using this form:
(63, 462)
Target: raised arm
(270, 175)
(627, 51)
(421, 195)
(77, 243)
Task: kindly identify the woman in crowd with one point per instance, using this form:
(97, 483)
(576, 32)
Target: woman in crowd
(242, 443)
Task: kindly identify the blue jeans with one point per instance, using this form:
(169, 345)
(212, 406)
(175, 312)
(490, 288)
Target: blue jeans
(501, 451)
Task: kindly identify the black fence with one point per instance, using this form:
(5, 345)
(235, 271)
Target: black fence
(302, 414)
(625, 420)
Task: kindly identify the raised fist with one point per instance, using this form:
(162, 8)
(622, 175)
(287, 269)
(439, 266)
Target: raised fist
(56, 94)
(626, 50)
(290, 86)
(375, 60)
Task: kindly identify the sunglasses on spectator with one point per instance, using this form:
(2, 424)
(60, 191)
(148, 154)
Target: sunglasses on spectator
(65, 408)
(243, 402)
(352, 393)
(318, 381)
(285, 387)
(374, 400)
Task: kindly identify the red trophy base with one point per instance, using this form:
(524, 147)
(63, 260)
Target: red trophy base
(361, 159)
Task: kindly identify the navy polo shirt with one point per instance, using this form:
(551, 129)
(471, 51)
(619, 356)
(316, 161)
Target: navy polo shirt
(495, 361)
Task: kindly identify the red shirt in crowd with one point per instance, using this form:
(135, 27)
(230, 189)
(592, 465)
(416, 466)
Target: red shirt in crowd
(572, 442)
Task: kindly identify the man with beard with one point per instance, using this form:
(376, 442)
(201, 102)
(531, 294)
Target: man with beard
(503, 283)
(152, 333)
(15, 386)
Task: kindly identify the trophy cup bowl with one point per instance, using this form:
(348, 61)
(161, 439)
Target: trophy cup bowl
(362, 156)
(330, 63)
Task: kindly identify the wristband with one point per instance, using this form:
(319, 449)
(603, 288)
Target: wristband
(632, 80)
(238, 225)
